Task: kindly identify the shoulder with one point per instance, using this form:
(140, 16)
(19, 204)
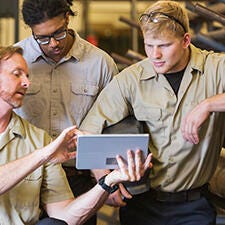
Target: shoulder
(31, 132)
(30, 48)
(92, 50)
(137, 71)
(201, 56)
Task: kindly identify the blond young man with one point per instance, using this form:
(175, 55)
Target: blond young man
(178, 91)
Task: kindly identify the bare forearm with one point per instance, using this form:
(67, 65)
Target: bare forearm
(215, 103)
(13, 172)
(77, 211)
(83, 207)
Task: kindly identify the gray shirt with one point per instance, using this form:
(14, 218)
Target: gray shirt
(61, 93)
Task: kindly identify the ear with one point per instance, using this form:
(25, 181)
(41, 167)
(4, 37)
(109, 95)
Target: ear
(67, 16)
(186, 40)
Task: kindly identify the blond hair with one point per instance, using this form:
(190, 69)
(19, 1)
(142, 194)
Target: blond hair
(8, 51)
(178, 26)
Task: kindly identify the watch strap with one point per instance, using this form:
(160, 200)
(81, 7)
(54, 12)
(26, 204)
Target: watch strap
(106, 187)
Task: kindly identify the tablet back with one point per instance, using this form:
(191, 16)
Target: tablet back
(99, 151)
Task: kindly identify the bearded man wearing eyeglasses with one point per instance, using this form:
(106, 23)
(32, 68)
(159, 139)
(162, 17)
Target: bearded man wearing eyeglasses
(178, 92)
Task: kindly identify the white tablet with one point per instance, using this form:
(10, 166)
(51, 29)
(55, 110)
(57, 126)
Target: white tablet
(99, 151)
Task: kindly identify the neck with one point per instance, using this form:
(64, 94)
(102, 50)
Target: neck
(71, 39)
(5, 116)
(186, 57)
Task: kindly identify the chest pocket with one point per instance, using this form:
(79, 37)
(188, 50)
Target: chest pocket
(153, 117)
(82, 97)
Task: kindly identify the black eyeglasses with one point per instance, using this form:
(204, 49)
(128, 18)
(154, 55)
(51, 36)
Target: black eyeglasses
(44, 40)
(156, 17)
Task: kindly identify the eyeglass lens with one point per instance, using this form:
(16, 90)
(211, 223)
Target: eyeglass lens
(156, 17)
(46, 39)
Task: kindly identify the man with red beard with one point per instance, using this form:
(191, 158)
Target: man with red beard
(67, 74)
(42, 180)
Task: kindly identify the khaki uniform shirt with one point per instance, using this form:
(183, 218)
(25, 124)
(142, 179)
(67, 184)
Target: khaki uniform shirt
(47, 184)
(177, 164)
(61, 93)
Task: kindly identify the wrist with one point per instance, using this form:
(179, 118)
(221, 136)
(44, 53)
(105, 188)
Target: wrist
(41, 156)
(107, 185)
(206, 104)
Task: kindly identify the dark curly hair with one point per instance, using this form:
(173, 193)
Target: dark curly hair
(38, 11)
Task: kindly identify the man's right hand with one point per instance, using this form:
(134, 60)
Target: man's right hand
(116, 198)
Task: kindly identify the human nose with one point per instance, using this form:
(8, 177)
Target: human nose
(25, 82)
(156, 52)
(53, 42)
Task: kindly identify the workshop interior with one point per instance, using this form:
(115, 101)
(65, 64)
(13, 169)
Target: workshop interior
(114, 27)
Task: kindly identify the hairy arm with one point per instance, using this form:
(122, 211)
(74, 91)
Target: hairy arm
(77, 211)
(56, 152)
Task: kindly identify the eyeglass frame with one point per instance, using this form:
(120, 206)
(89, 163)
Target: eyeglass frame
(150, 15)
(51, 36)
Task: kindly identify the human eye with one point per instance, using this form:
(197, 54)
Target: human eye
(58, 34)
(166, 45)
(43, 39)
(16, 73)
(148, 45)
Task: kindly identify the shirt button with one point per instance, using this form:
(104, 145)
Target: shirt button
(169, 180)
(54, 90)
(173, 137)
(85, 90)
(171, 160)
(54, 135)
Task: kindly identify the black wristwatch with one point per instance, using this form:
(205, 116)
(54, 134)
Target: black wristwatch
(106, 187)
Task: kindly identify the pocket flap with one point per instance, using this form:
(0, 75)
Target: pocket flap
(85, 89)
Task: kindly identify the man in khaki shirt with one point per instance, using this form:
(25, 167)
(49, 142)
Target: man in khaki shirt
(178, 91)
(43, 182)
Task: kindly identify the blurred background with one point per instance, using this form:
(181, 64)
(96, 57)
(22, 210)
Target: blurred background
(113, 25)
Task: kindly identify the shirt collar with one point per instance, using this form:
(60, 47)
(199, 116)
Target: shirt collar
(146, 69)
(36, 50)
(16, 126)
(197, 60)
(78, 47)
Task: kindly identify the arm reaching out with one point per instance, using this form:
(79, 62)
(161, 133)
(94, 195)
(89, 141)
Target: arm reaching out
(55, 152)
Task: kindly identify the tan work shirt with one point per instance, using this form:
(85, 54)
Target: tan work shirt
(177, 164)
(47, 184)
(62, 93)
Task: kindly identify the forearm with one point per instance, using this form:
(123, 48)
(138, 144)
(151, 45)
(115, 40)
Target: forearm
(215, 103)
(13, 172)
(77, 211)
(83, 207)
